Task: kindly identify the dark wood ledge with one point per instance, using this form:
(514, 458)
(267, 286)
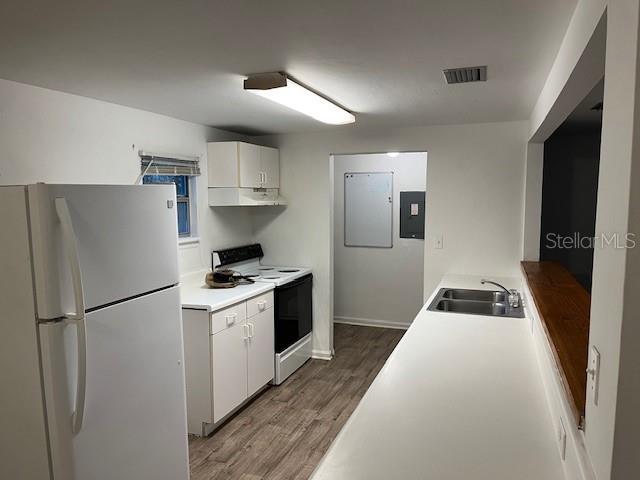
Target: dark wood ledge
(564, 307)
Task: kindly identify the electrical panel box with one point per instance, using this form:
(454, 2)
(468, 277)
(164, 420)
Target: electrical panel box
(412, 214)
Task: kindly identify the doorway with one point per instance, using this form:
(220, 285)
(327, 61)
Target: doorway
(378, 217)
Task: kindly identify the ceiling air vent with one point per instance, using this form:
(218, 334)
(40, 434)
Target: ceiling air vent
(465, 74)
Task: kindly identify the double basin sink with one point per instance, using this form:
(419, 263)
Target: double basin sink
(475, 302)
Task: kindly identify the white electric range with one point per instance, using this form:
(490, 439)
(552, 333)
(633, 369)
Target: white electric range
(269, 273)
(293, 314)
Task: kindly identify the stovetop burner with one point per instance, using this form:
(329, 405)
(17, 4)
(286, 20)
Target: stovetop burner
(245, 262)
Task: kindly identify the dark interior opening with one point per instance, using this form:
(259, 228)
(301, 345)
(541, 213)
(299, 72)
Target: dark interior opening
(560, 283)
(570, 189)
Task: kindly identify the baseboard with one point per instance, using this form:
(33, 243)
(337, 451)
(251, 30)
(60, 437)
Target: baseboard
(369, 322)
(321, 354)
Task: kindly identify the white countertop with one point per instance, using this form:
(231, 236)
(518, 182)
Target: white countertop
(460, 398)
(196, 294)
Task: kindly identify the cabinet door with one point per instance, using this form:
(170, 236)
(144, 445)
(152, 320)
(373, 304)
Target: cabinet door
(229, 359)
(249, 165)
(270, 165)
(222, 164)
(261, 350)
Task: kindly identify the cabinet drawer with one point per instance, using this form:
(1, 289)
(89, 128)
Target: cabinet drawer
(230, 316)
(259, 304)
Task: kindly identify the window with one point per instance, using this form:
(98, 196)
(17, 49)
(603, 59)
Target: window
(180, 171)
(183, 200)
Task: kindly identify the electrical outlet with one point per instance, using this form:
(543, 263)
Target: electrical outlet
(593, 374)
(562, 439)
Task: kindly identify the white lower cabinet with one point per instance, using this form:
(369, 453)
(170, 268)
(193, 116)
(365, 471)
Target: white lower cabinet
(229, 356)
(229, 367)
(261, 345)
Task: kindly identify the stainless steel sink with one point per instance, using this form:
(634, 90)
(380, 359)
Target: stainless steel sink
(472, 306)
(474, 302)
(478, 295)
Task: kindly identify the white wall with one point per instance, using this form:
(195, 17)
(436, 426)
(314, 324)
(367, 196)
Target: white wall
(533, 202)
(474, 196)
(573, 74)
(49, 136)
(615, 307)
(626, 461)
(612, 432)
(380, 286)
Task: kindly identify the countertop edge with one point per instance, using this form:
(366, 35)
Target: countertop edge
(346, 446)
(256, 289)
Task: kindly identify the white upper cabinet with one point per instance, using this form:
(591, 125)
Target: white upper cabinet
(249, 166)
(243, 165)
(222, 164)
(270, 167)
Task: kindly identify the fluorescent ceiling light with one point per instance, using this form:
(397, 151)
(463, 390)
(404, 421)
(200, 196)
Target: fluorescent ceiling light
(279, 88)
(393, 154)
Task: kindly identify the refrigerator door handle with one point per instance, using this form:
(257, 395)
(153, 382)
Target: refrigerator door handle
(71, 250)
(81, 381)
(77, 317)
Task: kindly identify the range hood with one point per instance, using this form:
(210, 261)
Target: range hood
(244, 197)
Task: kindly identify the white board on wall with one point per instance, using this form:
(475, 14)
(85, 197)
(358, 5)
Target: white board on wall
(368, 209)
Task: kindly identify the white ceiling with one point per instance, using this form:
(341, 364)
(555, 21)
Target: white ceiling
(381, 59)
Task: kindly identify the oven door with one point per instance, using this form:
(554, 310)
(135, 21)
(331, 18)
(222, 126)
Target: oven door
(293, 312)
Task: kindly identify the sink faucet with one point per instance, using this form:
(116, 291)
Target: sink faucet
(514, 296)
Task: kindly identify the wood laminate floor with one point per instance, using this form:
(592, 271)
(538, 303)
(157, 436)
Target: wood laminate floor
(284, 432)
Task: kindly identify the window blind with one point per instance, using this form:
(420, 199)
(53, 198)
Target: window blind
(164, 164)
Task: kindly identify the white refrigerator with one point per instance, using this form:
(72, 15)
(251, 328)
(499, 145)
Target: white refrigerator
(91, 350)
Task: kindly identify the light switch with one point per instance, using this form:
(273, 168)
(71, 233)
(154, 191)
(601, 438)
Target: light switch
(415, 209)
(593, 374)
(438, 242)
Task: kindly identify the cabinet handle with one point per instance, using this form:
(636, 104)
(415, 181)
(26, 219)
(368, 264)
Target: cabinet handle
(231, 319)
(250, 330)
(265, 177)
(262, 305)
(245, 328)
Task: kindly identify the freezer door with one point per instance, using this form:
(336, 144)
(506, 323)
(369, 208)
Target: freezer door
(24, 451)
(126, 240)
(135, 423)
